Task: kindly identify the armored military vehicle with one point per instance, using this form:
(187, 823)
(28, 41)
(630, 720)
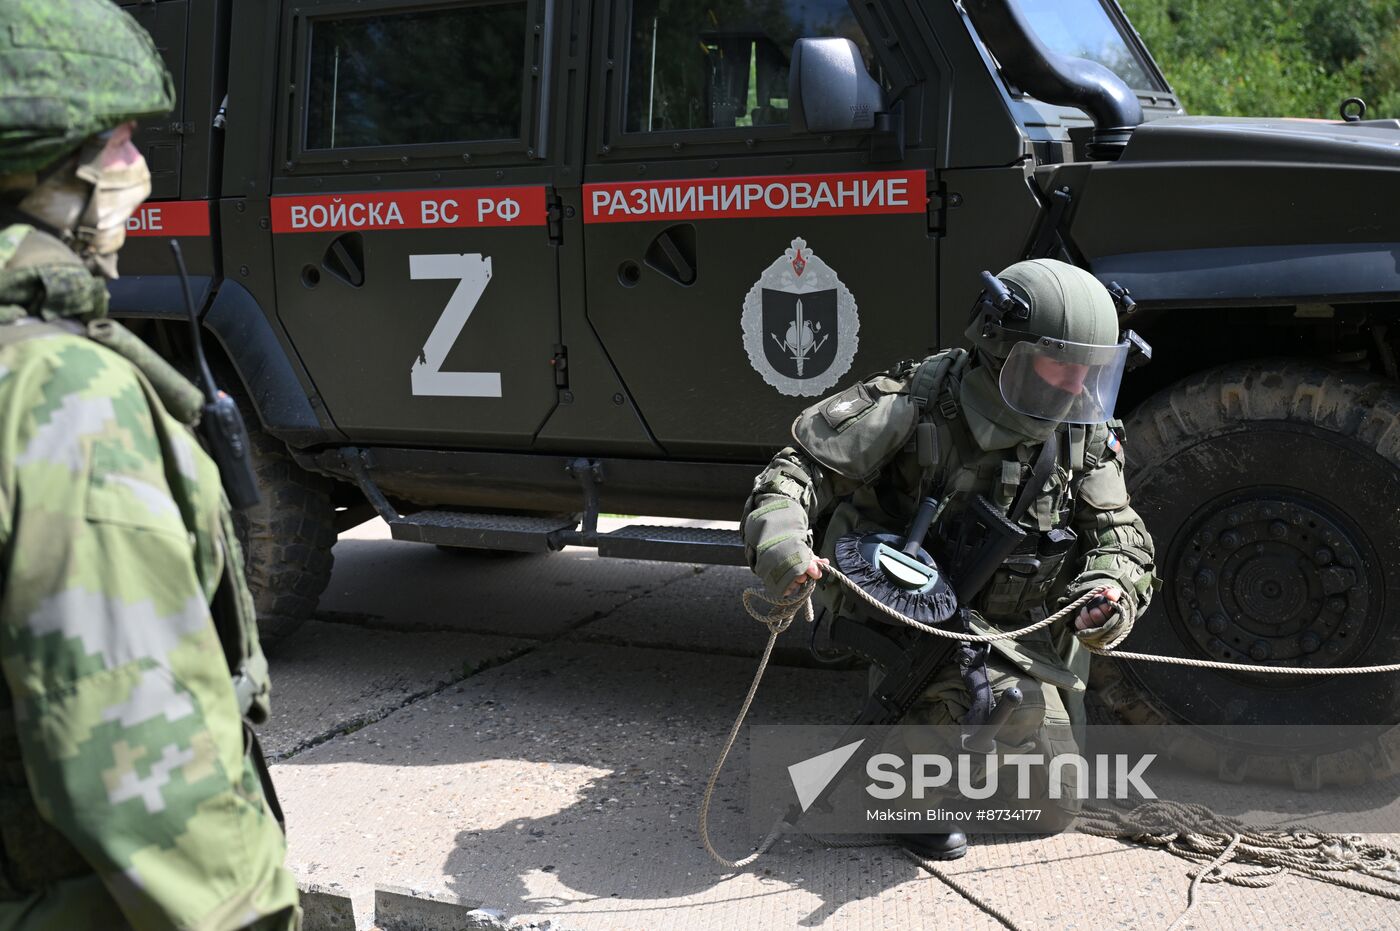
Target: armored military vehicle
(486, 267)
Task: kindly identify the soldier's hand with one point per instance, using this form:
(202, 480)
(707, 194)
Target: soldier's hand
(810, 574)
(1096, 613)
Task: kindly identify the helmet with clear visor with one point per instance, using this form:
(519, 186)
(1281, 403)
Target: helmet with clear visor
(1052, 329)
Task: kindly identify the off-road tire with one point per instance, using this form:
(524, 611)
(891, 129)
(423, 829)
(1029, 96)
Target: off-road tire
(286, 537)
(1271, 490)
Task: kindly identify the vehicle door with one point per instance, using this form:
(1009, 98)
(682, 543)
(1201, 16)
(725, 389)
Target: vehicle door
(176, 148)
(738, 270)
(415, 270)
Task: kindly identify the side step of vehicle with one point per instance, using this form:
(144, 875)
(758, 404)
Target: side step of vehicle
(710, 545)
(539, 534)
(481, 531)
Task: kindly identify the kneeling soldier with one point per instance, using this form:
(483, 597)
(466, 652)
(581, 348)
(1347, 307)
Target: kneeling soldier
(1034, 398)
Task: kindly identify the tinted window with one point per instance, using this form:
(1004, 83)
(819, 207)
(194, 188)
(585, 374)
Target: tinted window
(704, 64)
(452, 75)
(1082, 29)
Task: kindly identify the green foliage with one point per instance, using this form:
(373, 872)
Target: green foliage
(1275, 57)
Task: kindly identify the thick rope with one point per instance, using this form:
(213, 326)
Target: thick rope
(1248, 667)
(900, 618)
(1219, 847)
(777, 620)
(932, 867)
(1194, 832)
(1126, 606)
(1192, 899)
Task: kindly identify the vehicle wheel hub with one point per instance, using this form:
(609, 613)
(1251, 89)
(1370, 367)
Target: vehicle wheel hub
(1271, 579)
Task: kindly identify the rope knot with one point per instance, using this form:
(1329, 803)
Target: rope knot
(780, 611)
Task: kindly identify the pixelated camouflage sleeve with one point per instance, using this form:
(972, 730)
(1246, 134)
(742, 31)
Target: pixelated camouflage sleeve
(130, 735)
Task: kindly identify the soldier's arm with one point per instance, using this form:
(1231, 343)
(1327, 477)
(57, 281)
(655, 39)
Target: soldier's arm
(777, 518)
(1117, 549)
(843, 442)
(128, 728)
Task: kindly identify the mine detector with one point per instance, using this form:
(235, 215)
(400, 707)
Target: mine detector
(490, 267)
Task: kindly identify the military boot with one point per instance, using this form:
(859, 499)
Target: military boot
(949, 846)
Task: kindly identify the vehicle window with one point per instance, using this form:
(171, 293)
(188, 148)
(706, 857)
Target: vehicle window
(1082, 29)
(709, 64)
(446, 75)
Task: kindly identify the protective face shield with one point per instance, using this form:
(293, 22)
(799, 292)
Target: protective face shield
(1053, 379)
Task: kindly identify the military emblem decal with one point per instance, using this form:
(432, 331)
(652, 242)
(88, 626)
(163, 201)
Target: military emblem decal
(800, 324)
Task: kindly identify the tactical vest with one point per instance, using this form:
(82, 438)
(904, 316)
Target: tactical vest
(900, 435)
(33, 854)
(956, 469)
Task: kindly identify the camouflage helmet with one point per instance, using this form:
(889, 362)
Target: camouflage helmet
(1055, 299)
(70, 69)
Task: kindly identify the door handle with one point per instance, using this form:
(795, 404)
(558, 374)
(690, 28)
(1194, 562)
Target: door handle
(345, 259)
(672, 253)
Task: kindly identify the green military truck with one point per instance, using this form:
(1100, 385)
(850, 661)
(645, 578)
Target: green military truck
(489, 266)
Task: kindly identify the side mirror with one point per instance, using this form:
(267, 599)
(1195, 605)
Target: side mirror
(829, 89)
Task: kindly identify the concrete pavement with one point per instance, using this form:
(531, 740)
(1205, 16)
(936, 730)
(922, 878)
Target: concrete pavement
(534, 733)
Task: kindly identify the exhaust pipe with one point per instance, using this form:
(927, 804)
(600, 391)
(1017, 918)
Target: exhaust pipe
(1058, 79)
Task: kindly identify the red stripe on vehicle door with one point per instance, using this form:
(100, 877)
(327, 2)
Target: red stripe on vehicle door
(454, 208)
(170, 218)
(848, 194)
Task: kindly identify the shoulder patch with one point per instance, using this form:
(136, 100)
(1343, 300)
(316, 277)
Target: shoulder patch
(852, 402)
(1113, 448)
(856, 432)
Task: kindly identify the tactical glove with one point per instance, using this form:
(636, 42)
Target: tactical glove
(1113, 630)
(780, 564)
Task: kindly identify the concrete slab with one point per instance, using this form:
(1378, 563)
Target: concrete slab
(699, 612)
(326, 908)
(424, 617)
(400, 908)
(555, 763)
(329, 678)
(564, 784)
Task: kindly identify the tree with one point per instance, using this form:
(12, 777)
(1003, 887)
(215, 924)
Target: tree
(1275, 57)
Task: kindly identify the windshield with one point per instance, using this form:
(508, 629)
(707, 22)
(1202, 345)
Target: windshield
(1082, 29)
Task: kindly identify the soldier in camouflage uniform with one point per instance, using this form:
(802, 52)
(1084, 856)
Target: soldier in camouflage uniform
(956, 426)
(129, 792)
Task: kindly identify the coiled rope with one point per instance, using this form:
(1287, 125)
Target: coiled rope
(1194, 832)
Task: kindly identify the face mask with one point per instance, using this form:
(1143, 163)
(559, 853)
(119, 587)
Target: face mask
(116, 193)
(87, 204)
